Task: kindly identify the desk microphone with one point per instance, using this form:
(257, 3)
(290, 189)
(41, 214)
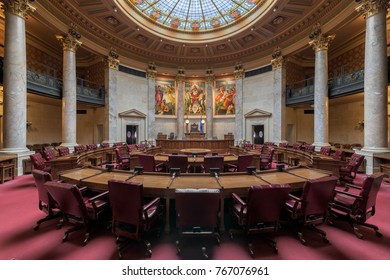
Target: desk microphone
(174, 172)
(214, 172)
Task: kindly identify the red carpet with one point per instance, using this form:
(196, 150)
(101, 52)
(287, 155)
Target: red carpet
(19, 212)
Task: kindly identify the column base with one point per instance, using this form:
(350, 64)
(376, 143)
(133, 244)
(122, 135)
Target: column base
(70, 146)
(318, 145)
(20, 154)
(372, 164)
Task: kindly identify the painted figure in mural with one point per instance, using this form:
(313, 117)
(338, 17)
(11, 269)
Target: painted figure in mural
(165, 99)
(195, 100)
(225, 100)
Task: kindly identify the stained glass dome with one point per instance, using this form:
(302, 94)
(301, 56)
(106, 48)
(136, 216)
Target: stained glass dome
(195, 15)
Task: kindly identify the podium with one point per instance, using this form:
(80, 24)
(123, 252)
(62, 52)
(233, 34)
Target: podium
(195, 135)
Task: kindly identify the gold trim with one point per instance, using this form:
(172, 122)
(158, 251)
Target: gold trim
(238, 72)
(20, 8)
(70, 42)
(277, 59)
(319, 41)
(372, 7)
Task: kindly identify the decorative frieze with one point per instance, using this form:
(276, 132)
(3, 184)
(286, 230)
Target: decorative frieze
(209, 76)
(180, 74)
(151, 71)
(71, 41)
(320, 41)
(21, 8)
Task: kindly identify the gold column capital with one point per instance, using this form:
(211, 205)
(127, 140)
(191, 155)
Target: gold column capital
(112, 60)
(238, 72)
(277, 59)
(209, 76)
(70, 41)
(151, 72)
(320, 41)
(20, 8)
(372, 7)
(180, 74)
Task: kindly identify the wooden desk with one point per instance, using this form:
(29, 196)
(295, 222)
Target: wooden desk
(163, 185)
(217, 146)
(195, 135)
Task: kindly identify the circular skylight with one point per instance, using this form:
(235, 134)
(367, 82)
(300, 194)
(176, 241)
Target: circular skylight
(194, 15)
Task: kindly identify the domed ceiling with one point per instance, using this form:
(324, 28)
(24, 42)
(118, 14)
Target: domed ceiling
(162, 31)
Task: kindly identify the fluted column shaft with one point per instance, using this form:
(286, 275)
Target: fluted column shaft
(375, 76)
(279, 86)
(209, 106)
(320, 44)
(239, 117)
(15, 76)
(151, 75)
(70, 43)
(180, 104)
(111, 97)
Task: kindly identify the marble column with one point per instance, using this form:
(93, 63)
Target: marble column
(70, 42)
(320, 44)
(180, 103)
(209, 104)
(375, 81)
(151, 76)
(279, 86)
(111, 96)
(15, 80)
(239, 117)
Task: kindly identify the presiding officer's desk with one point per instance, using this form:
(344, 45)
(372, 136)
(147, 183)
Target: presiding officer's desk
(163, 184)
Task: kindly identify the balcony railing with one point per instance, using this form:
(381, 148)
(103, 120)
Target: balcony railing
(44, 84)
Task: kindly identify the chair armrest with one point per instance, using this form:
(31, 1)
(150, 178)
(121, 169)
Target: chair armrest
(154, 202)
(83, 189)
(294, 197)
(348, 194)
(99, 196)
(238, 199)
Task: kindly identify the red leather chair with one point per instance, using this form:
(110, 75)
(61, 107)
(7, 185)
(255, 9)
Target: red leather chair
(63, 151)
(149, 164)
(212, 162)
(140, 147)
(45, 202)
(131, 147)
(283, 144)
(79, 149)
(50, 154)
(77, 209)
(259, 147)
(39, 162)
(178, 161)
(325, 151)
(243, 162)
(105, 145)
(297, 146)
(91, 147)
(339, 155)
(348, 172)
(309, 148)
(197, 214)
(356, 204)
(122, 160)
(131, 217)
(260, 212)
(311, 209)
(266, 159)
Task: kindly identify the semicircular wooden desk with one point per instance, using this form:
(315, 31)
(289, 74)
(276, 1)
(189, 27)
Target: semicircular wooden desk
(163, 184)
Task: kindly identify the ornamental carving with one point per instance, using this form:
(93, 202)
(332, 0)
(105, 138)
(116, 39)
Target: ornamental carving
(277, 59)
(70, 42)
(209, 76)
(319, 41)
(180, 75)
(372, 7)
(112, 60)
(238, 72)
(151, 72)
(21, 8)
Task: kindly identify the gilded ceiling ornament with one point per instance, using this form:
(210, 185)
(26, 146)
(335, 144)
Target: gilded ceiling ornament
(21, 8)
(277, 59)
(70, 42)
(320, 41)
(372, 7)
(151, 72)
(238, 72)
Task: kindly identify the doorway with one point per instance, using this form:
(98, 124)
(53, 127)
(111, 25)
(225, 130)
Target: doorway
(258, 134)
(131, 134)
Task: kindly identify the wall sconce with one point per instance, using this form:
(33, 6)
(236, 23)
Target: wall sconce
(28, 124)
(360, 125)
